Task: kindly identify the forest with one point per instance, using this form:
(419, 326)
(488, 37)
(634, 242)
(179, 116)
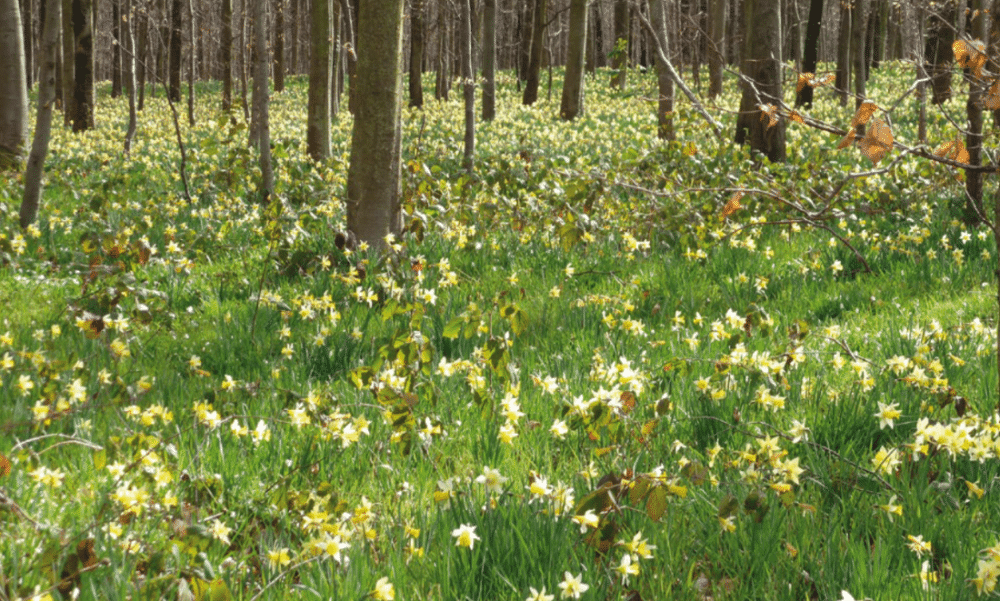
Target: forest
(499, 299)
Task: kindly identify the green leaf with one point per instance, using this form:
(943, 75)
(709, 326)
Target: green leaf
(656, 503)
(100, 459)
(728, 506)
(638, 491)
(453, 328)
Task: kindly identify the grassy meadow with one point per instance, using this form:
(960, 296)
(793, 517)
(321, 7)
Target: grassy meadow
(570, 377)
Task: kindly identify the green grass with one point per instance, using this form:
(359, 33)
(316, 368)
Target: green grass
(224, 397)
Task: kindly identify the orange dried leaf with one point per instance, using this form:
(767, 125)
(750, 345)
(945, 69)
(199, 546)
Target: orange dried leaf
(733, 205)
(825, 80)
(865, 112)
(991, 101)
(770, 112)
(846, 140)
(805, 79)
(877, 141)
(796, 117)
(5, 466)
(960, 48)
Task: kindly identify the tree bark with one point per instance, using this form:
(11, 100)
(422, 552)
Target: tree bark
(320, 78)
(416, 87)
(572, 94)
(116, 51)
(13, 88)
(337, 66)
(349, 16)
(535, 60)
(468, 87)
(859, 29)
(141, 52)
(804, 97)
(192, 63)
(28, 39)
(43, 124)
(226, 54)
(83, 90)
(937, 51)
(716, 45)
(974, 113)
(374, 177)
(442, 76)
(260, 99)
(665, 84)
(761, 65)
(279, 45)
(489, 59)
(176, 23)
(295, 67)
(128, 73)
(843, 80)
(69, 63)
(619, 61)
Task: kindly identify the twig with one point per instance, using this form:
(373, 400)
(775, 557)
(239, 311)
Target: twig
(66, 440)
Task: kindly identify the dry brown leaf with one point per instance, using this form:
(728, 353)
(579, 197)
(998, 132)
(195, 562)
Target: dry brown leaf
(825, 80)
(771, 112)
(865, 112)
(846, 140)
(733, 205)
(991, 101)
(805, 79)
(877, 141)
(954, 150)
(5, 466)
(796, 117)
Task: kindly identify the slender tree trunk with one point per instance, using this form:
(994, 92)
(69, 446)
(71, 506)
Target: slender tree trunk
(804, 97)
(337, 67)
(843, 80)
(468, 87)
(600, 59)
(665, 84)
(921, 75)
(489, 59)
(526, 32)
(142, 54)
(537, 43)
(348, 14)
(374, 177)
(442, 75)
(938, 52)
(192, 63)
(243, 66)
(572, 95)
(320, 77)
(762, 65)
(974, 113)
(176, 22)
(128, 72)
(116, 52)
(295, 68)
(83, 102)
(69, 63)
(716, 45)
(28, 40)
(226, 52)
(859, 23)
(619, 61)
(279, 46)
(13, 88)
(260, 99)
(43, 123)
(880, 11)
(416, 53)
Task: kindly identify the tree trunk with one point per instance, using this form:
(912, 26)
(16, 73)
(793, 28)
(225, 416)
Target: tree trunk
(279, 46)
(128, 73)
(881, 13)
(974, 113)
(572, 95)
(43, 124)
(295, 68)
(28, 39)
(442, 78)
(921, 76)
(804, 97)
(141, 55)
(13, 88)
(526, 33)
(619, 60)
(175, 50)
(716, 45)
(320, 78)
(260, 99)
(761, 64)
(468, 87)
(665, 84)
(349, 16)
(337, 56)
(535, 61)
(859, 29)
(191, 63)
(937, 51)
(489, 59)
(83, 90)
(242, 45)
(69, 63)
(373, 179)
(843, 81)
(416, 53)
(116, 51)
(600, 59)
(226, 52)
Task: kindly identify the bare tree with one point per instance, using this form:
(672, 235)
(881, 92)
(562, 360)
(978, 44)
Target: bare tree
(320, 79)
(716, 45)
(572, 94)
(416, 53)
(374, 177)
(43, 124)
(761, 71)
(468, 87)
(665, 84)
(260, 98)
(489, 59)
(83, 76)
(535, 59)
(226, 49)
(13, 87)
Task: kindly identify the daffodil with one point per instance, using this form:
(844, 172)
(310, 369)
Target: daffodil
(573, 586)
(465, 536)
